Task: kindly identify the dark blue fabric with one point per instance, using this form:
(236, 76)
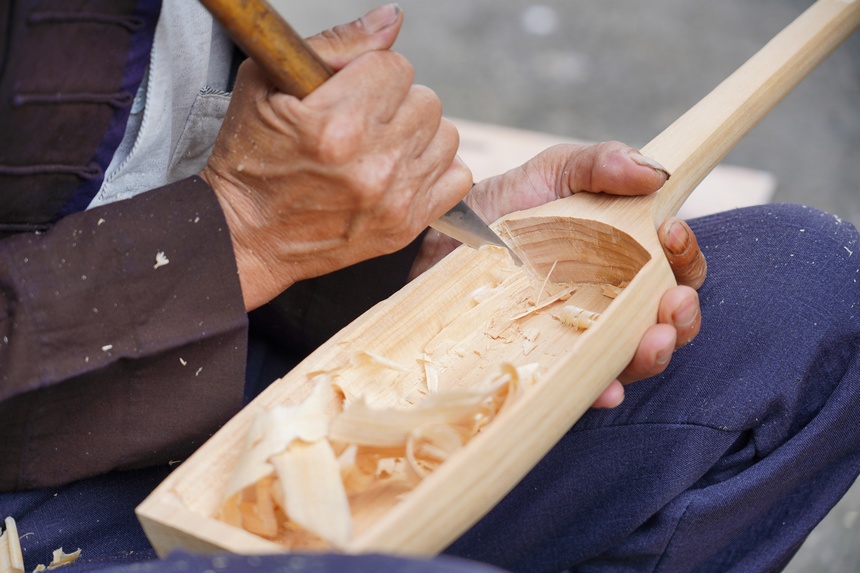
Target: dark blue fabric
(181, 562)
(723, 463)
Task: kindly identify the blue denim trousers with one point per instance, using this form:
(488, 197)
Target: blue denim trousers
(725, 462)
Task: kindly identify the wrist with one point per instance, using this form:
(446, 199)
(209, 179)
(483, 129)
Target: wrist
(245, 223)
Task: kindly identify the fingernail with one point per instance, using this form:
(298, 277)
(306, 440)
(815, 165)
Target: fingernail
(677, 238)
(640, 159)
(686, 315)
(380, 18)
(663, 357)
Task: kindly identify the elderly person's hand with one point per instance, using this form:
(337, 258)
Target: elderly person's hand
(357, 169)
(615, 168)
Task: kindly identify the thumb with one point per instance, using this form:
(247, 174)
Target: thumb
(376, 30)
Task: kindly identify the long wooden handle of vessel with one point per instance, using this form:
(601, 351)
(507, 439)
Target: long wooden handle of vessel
(592, 240)
(693, 145)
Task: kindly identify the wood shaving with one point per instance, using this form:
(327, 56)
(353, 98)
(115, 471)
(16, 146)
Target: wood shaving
(313, 494)
(275, 429)
(11, 558)
(612, 291)
(61, 558)
(577, 317)
(563, 294)
(306, 474)
(160, 259)
(431, 374)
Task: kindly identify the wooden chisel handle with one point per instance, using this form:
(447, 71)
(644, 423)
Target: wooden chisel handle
(262, 34)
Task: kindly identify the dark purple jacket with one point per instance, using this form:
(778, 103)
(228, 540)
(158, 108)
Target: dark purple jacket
(107, 362)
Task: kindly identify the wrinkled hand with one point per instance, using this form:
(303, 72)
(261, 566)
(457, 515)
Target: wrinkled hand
(356, 169)
(615, 168)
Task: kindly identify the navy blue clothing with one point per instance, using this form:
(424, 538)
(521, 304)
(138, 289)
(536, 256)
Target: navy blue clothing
(725, 462)
(183, 563)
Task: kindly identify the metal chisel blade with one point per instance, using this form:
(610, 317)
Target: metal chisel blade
(464, 225)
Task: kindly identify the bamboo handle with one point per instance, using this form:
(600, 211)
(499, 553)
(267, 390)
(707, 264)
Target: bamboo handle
(260, 32)
(693, 145)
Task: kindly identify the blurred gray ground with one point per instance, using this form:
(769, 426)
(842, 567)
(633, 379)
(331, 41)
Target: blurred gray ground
(625, 69)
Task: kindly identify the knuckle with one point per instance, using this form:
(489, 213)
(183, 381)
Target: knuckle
(339, 140)
(394, 63)
(598, 152)
(450, 136)
(449, 130)
(430, 102)
(371, 181)
(395, 216)
(611, 146)
(246, 67)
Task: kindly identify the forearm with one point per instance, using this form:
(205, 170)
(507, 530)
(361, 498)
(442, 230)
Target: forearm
(112, 355)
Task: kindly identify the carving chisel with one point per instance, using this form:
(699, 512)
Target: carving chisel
(295, 69)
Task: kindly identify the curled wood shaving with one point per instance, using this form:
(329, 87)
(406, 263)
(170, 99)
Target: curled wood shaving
(430, 445)
(577, 317)
(306, 490)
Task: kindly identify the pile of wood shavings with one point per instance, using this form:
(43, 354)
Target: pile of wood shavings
(307, 479)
